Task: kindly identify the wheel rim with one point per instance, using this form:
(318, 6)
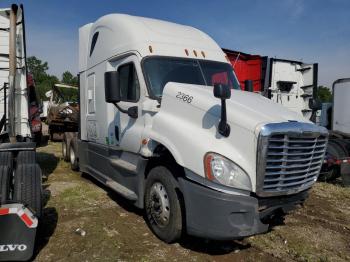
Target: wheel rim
(159, 205)
(72, 156)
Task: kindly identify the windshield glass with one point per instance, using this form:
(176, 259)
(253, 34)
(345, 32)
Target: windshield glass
(161, 70)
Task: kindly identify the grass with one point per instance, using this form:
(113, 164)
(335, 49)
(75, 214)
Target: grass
(319, 231)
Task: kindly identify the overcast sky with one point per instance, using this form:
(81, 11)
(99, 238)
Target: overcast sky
(307, 30)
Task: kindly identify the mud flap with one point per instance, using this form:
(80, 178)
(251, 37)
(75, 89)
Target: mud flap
(18, 228)
(345, 173)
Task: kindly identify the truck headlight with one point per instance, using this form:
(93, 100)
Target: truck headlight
(223, 171)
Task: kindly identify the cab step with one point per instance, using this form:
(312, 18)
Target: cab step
(128, 166)
(125, 192)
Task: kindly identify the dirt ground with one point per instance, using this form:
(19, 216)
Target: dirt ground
(116, 231)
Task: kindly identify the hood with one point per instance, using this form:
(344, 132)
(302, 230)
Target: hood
(246, 109)
(187, 121)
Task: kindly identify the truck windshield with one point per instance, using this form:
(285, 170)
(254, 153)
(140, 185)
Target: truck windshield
(161, 70)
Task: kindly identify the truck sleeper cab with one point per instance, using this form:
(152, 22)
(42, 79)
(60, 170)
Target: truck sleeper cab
(164, 124)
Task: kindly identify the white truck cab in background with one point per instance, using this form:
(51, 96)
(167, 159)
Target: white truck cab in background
(164, 124)
(293, 84)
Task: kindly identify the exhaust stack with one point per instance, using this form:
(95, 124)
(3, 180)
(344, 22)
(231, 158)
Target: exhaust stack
(12, 73)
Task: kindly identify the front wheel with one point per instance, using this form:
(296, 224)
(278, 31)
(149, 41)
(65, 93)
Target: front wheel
(163, 207)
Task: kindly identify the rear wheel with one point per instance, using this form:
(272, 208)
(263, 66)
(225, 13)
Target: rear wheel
(73, 158)
(5, 179)
(65, 155)
(38, 137)
(6, 159)
(6, 165)
(163, 208)
(334, 151)
(26, 157)
(52, 135)
(27, 187)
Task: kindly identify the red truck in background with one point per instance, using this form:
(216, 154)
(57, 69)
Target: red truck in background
(248, 67)
(290, 83)
(35, 110)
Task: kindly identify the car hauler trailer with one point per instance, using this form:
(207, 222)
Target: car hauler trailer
(62, 115)
(292, 84)
(337, 161)
(163, 122)
(20, 175)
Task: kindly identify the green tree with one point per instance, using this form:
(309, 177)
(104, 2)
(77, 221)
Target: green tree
(44, 81)
(45, 85)
(37, 68)
(69, 79)
(68, 93)
(324, 94)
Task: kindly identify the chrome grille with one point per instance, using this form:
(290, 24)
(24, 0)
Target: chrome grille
(290, 161)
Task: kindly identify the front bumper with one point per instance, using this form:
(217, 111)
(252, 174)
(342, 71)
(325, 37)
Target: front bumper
(216, 215)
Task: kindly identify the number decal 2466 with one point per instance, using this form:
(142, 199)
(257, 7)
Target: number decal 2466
(184, 97)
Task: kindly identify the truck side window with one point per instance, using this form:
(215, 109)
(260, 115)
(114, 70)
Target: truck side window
(129, 83)
(93, 42)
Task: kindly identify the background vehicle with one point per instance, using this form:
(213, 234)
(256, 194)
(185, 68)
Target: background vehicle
(20, 175)
(294, 85)
(248, 67)
(62, 115)
(35, 110)
(337, 119)
(164, 124)
(290, 83)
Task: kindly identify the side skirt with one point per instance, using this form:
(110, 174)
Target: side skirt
(121, 171)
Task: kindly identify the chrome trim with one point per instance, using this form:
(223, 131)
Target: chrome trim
(308, 133)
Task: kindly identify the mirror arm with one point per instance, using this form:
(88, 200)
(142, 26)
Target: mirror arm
(119, 108)
(224, 128)
(131, 111)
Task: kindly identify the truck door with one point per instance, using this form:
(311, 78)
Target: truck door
(127, 131)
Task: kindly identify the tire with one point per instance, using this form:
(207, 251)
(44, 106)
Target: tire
(5, 179)
(51, 133)
(26, 157)
(336, 151)
(346, 179)
(27, 187)
(37, 138)
(6, 159)
(74, 165)
(162, 205)
(65, 154)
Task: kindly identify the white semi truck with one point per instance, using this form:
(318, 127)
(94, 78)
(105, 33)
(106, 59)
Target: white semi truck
(336, 117)
(292, 84)
(164, 123)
